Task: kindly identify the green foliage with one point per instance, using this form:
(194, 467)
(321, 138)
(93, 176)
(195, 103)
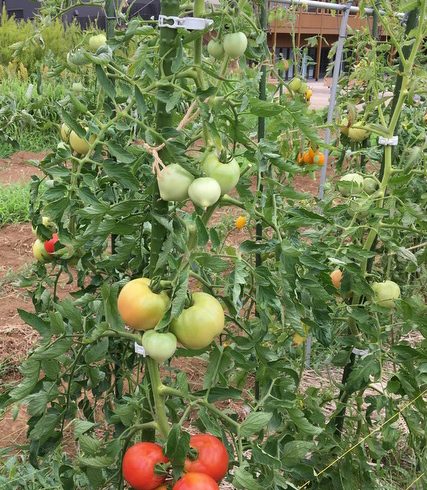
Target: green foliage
(44, 44)
(14, 203)
(280, 433)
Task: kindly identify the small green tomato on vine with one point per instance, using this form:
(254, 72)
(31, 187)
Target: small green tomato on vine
(215, 49)
(226, 174)
(198, 325)
(174, 182)
(204, 192)
(385, 293)
(235, 44)
(159, 346)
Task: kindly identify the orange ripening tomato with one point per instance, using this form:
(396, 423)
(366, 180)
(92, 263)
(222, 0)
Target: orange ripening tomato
(240, 222)
(308, 156)
(319, 158)
(336, 278)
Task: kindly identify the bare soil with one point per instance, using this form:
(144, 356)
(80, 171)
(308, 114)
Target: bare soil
(17, 169)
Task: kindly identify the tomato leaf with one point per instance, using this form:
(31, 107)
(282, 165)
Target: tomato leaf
(254, 423)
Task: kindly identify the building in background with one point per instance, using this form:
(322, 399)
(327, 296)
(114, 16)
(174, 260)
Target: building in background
(26, 9)
(324, 24)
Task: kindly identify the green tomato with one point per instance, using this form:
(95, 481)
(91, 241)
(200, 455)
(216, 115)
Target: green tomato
(204, 192)
(159, 346)
(139, 307)
(356, 133)
(370, 185)
(350, 184)
(385, 293)
(295, 84)
(65, 132)
(226, 174)
(39, 251)
(95, 42)
(235, 44)
(80, 145)
(215, 49)
(198, 325)
(174, 182)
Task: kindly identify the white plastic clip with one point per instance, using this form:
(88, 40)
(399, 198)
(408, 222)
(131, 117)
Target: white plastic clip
(189, 23)
(388, 141)
(139, 349)
(360, 352)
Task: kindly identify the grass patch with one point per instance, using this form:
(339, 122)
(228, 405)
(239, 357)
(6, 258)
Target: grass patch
(14, 203)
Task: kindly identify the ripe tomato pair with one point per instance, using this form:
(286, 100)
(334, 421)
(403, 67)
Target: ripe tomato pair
(209, 465)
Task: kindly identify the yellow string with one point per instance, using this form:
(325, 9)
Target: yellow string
(415, 481)
(397, 414)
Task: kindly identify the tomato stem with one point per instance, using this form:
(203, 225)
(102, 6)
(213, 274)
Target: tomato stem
(159, 402)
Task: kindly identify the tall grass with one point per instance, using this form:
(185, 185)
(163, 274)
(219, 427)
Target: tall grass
(14, 203)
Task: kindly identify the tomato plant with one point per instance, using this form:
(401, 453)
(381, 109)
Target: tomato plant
(163, 124)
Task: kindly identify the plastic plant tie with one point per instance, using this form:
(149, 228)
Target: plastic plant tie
(360, 352)
(388, 141)
(189, 23)
(139, 349)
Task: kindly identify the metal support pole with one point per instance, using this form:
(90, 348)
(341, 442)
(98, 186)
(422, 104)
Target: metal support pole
(332, 101)
(333, 95)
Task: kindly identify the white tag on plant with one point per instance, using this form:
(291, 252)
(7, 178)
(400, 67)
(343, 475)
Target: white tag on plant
(393, 141)
(139, 349)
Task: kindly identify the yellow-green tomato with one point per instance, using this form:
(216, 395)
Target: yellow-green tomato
(356, 133)
(139, 307)
(159, 346)
(80, 145)
(235, 44)
(295, 84)
(385, 293)
(174, 182)
(350, 184)
(65, 132)
(226, 174)
(39, 251)
(215, 49)
(95, 42)
(198, 325)
(204, 192)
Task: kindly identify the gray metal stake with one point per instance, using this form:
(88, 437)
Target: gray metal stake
(332, 101)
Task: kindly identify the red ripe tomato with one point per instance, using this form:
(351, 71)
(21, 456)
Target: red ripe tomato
(212, 457)
(196, 481)
(49, 245)
(139, 464)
